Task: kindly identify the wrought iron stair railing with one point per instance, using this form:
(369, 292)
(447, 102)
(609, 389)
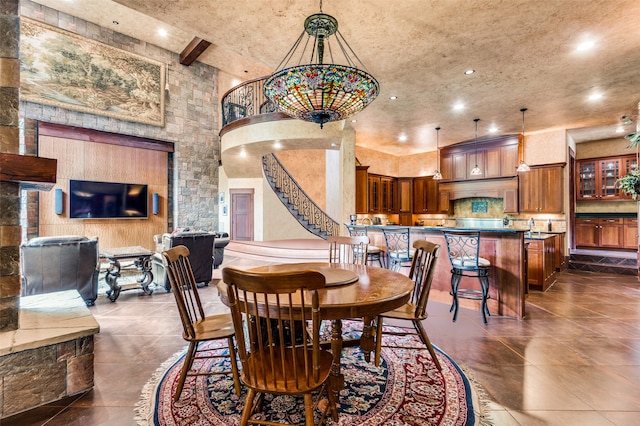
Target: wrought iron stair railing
(307, 212)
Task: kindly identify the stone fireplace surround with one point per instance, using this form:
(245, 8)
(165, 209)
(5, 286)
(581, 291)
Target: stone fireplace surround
(50, 355)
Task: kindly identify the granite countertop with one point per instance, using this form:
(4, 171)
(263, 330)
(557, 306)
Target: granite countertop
(447, 228)
(539, 235)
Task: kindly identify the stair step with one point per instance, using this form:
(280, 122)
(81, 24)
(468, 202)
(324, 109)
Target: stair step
(612, 268)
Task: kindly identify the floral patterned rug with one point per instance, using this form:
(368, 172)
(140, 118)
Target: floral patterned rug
(406, 389)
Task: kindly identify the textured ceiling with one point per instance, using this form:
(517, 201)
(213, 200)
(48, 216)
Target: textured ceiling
(523, 51)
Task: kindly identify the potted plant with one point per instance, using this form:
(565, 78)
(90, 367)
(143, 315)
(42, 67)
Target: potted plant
(630, 183)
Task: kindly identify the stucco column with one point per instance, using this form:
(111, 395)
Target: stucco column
(9, 143)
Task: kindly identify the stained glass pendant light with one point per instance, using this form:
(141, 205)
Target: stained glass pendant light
(317, 91)
(437, 175)
(476, 170)
(522, 167)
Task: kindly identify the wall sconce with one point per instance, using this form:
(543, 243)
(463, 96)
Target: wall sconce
(221, 200)
(59, 201)
(155, 203)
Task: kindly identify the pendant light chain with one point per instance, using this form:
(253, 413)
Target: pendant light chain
(522, 167)
(437, 175)
(476, 170)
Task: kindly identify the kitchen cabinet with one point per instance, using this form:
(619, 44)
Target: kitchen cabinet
(362, 205)
(496, 158)
(630, 233)
(541, 262)
(373, 182)
(560, 249)
(501, 161)
(383, 194)
(388, 194)
(425, 195)
(540, 190)
(599, 232)
(596, 180)
(405, 201)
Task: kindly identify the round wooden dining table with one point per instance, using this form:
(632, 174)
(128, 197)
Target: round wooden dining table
(352, 291)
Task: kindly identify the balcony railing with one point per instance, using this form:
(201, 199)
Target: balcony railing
(246, 100)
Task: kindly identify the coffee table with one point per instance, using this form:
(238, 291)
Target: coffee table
(141, 261)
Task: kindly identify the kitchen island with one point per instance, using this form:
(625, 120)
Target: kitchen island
(503, 247)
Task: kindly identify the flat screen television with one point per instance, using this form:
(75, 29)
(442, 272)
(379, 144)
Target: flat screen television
(107, 200)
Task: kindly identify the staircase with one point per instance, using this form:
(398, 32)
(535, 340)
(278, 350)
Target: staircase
(307, 213)
(611, 262)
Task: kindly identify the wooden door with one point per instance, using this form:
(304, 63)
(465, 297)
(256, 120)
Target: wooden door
(493, 163)
(405, 189)
(586, 232)
(611, 233)
(508, 160)
(587, 187)
(361, 190)
(534, 262)
(528, 197)
(630, 233)
(460, 166)
(374, 194)
(550, 198)
(419, 193)
(446, 167)
(241, 214)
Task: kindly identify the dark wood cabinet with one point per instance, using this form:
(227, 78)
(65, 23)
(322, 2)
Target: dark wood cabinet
(362, 205)
(599, 232)
(383, 194)
(425, 195)
(541, 262)
(541, 189)
(388, 194)
(496, 157)
(630, 237)
(596, 180)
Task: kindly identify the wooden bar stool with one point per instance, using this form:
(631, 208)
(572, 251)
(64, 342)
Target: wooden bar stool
(463, 248)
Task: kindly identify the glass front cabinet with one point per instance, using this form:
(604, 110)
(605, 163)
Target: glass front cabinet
(597, 177)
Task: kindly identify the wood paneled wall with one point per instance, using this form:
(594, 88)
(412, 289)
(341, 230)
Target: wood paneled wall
(104, 162)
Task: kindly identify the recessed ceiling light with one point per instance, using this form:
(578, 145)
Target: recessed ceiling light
(393, 98)
(493, 129)
(469, 72)
(243, 153)
(595, 96)
(354, 121)
(459, 106)
(585, 46)
(162, 32)
(277, 145)
(402, 137)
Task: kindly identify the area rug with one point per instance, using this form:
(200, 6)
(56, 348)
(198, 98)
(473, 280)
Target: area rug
(406, 389)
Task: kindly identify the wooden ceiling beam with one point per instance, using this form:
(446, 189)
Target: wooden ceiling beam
(193, 50)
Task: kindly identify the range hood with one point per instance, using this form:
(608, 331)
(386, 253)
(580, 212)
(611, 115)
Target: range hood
(490, 188)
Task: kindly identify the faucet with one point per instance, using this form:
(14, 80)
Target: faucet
(367, 219)
(532, 223)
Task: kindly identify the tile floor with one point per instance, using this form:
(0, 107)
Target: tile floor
(575, 359)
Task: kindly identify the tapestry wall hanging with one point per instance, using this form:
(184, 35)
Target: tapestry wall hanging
(65, 70)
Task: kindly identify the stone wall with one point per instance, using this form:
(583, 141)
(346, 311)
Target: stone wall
(191, 119)
(38, 376)
(9, 144)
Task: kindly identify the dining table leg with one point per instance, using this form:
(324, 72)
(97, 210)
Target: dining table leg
(367, 343)
(336, 378)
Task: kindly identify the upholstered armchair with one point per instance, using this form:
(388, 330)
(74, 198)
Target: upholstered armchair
(71, 262)
(201, 248)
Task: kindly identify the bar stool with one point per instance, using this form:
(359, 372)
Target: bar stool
(463, 249)
(373, 252)
(398, 253)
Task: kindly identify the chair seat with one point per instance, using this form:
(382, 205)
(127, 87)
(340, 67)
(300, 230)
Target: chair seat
(277, 384)
(469, 263)
(406, 312)
(400, 255)
(213, 327)
(373, 249)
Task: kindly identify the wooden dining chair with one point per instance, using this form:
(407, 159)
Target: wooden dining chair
(197, 327)
(422, 269)
(265, 320)
(348, 249)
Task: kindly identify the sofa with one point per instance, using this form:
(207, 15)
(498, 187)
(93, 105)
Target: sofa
(69, 262)
(201, 248)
